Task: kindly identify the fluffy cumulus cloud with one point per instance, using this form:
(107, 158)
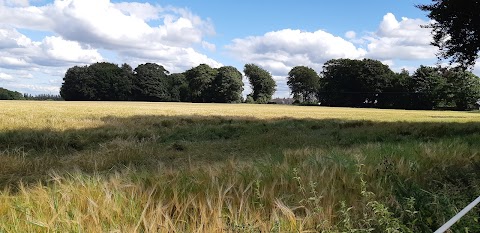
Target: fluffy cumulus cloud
(405, 40)
(77, 31)
(279, 51)
(18, 51)
(139, 29)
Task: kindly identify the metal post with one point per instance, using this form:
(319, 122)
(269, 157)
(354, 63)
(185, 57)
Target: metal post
(458, 216)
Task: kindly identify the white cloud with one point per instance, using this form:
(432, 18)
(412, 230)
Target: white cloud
(11, 62)
(15, 2)
(31, 17)
(4, 76)
(174, 59)
(144, 11)
(40, 88)
(279, 51)
(20, 51)
(58, 49)
(404, 40)
(111, 26)
(120, 27)
(393, 43)
(77, 30)
(209, 46)
(350, 35)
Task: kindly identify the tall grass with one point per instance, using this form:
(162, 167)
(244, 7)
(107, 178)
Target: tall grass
(124, 168)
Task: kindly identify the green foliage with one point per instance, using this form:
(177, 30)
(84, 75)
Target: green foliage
(200, 82)
(262, 83)
(427, 87)
(10, 95)
(369, 83)
(150, 83)
(456, 29)
(99, 81)
(304, 83)
(463, 89)
(397, 93)
(78, 84)
(178, 86)
(436, 87)
(227, 85)
(249, 99)
(110, 81)
(354, 83)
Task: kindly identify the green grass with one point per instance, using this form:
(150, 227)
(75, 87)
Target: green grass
(176, 167)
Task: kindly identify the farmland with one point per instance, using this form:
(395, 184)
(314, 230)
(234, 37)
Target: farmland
(181, 167)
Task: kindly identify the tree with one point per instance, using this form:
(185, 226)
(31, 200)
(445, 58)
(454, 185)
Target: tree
(178, 86)
(262, 83)
(354, 83)
(200, 80)
(456, 29)
(228, 85)
(427, 88)
(10, 95)
(99, 81)
(110, 82)
(150, 83)
(303, 82)
(78, 84)
(128, 74)
(396, 93)
(462, 89)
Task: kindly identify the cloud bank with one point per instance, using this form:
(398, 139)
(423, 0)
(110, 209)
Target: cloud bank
(77, 32)
(279, 51)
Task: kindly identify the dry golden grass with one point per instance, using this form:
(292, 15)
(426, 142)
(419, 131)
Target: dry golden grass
(68, 115)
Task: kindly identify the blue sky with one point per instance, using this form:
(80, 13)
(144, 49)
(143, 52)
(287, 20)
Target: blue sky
(41, 39)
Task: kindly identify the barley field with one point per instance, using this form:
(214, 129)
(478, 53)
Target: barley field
(181, 167)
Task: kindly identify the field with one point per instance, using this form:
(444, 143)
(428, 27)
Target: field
(178, 167)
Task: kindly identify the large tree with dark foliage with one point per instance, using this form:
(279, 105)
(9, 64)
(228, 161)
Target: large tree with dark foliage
(262, 83)
(227, 85)
(200, 81)
(99, 81)
(440, 88)
(354, 83)
(396, 93)
(462, 89)
(304, 83)
(78, 84)
(150, 83)
(456, 29)
(178, 86)
(427, 88)
(110, 81)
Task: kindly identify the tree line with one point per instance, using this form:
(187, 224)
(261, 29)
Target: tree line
(342, 83)
(152, 82)
(6, 94)
(369, 83)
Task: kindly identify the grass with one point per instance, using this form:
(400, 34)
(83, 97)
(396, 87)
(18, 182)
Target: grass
(176, 167)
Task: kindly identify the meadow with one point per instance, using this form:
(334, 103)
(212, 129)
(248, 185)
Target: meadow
(181, 167)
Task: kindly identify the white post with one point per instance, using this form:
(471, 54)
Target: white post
(458, 216)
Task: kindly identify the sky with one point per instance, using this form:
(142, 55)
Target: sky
(41, 39)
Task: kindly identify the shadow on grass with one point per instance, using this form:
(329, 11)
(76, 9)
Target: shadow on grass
(153, 141)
